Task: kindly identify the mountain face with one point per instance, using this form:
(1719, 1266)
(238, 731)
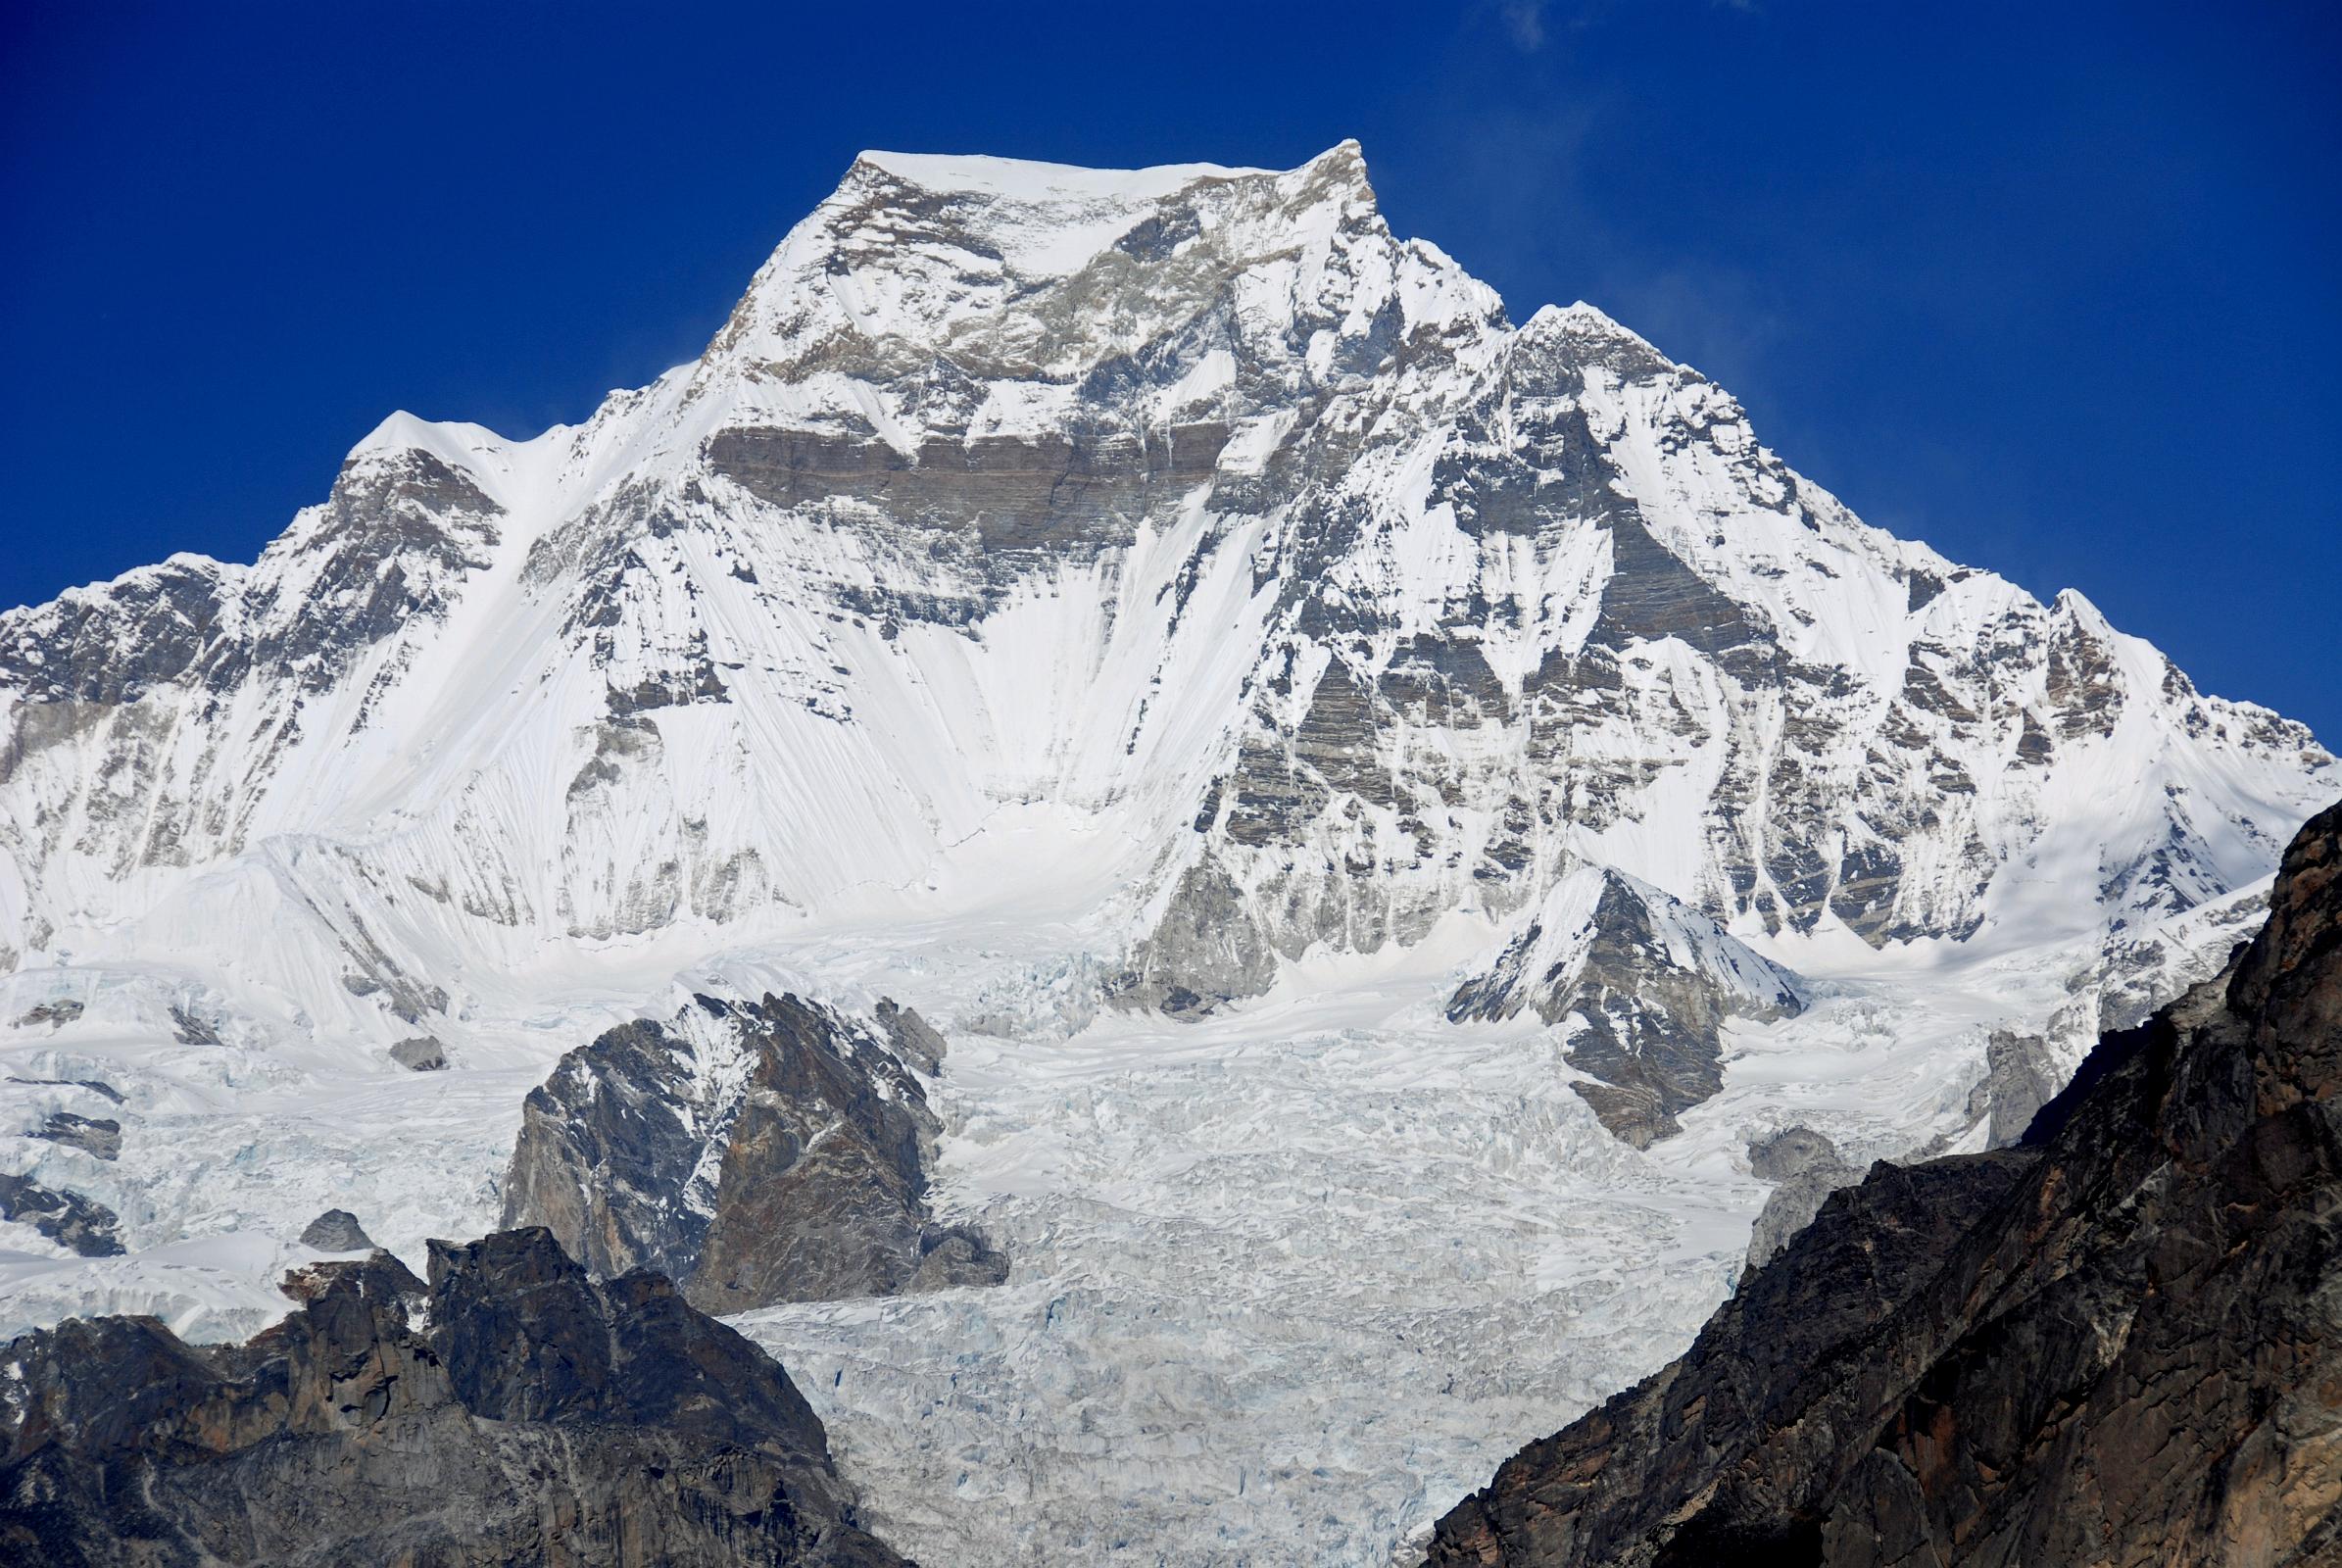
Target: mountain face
(1189, 512)
(1177, 636)
(2117, 1343)
(537, 1418)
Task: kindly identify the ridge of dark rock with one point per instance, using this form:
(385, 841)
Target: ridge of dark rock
(97, 1136)
(756, 1153)
(537, 1418)
(1640, 1014)
(2119, 1343)
(66, 1217)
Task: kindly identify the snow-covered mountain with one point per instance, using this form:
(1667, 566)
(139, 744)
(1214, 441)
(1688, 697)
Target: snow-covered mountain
(1139, 619)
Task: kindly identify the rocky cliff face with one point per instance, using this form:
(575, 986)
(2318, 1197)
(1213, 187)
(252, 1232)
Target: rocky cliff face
(755, 1152)
(526, 1416)
(2119, 1343)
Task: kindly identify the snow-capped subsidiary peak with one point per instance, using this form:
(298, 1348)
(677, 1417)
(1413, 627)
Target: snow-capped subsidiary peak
(1186, 641)
(2074, 605)
(1642, 988)
(1585, 320)
(456, 444)
(508, 474)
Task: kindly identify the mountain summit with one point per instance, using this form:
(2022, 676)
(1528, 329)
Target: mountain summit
(1107, 610)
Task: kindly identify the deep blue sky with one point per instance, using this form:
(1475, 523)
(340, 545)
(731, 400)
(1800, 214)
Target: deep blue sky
(2052, 287)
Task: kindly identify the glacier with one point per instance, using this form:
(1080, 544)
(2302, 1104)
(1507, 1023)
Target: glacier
(1185, 640)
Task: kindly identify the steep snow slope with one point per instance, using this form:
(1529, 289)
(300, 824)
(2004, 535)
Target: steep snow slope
(1116, 614)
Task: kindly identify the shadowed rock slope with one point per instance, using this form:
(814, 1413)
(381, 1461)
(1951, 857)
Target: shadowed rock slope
(530, 1417)
(2119, 1342)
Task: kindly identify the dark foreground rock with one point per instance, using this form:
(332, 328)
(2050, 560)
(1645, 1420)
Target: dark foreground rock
(755, 1152)
(2119, 1342)
(538, 1418)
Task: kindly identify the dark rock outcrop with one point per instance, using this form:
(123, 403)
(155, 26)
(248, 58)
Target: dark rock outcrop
(191, 1028)
(378, 1273)
(2119, 1343)
(337, 1231)
(914, 1039)
(2018, 1082)
(100, 1136)
(1808, 1169)
(1642, 983)
(540, 1418)
(66, 1217)
(956, 1254)
(753, 1152)
(419, 1054)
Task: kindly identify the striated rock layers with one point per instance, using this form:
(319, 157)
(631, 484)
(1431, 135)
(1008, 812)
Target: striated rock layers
(2119, 1343)
(538, 1418)
(753, 1152)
